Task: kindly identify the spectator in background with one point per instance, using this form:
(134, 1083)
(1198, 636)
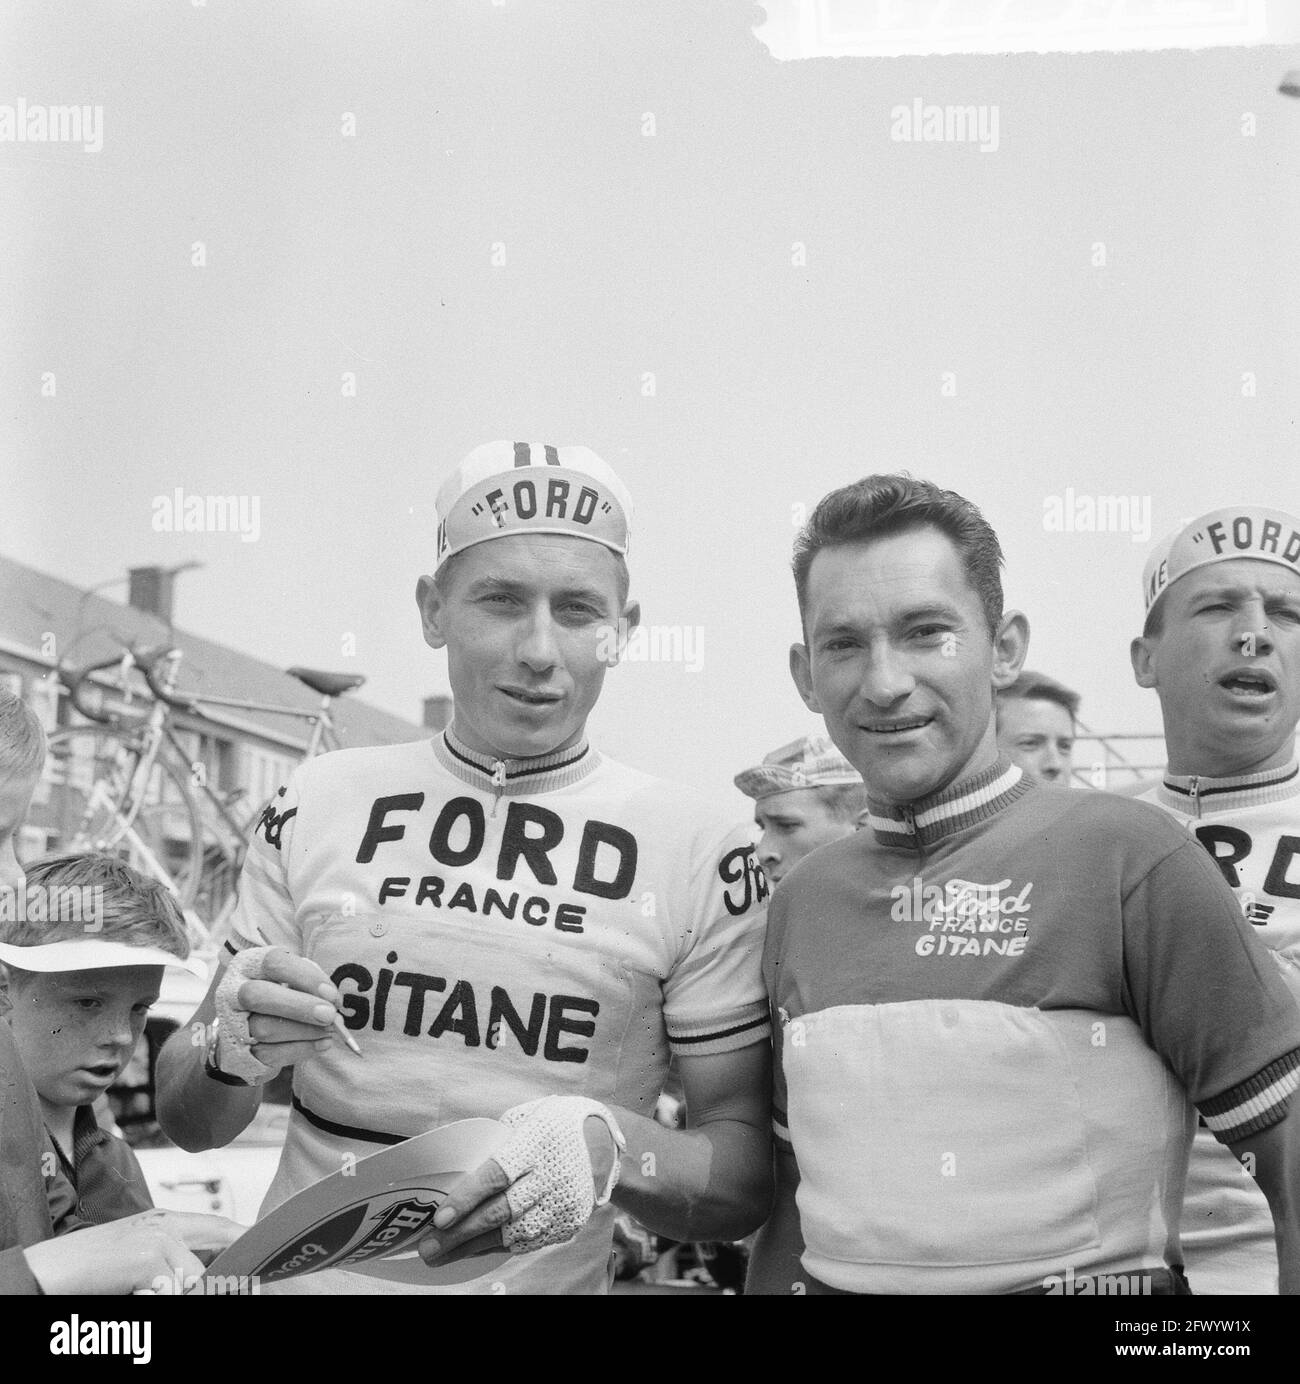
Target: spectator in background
(1036, 726)
(1221, 648)
(806, 794)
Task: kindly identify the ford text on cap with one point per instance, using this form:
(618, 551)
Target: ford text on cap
(1268, 535)
(505, 488)
(90, 954)
(812, 761)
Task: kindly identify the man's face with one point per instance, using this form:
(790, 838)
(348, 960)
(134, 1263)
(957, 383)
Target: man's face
(76, 1030)
(1226, 667)
(15, 798)
(900, 662)
(529, 625)
(792, 824)
(1039, 736)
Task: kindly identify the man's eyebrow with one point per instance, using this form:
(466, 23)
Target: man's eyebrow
(907, 616)
(1218, 593)
(1240, 592)
(492, 583)
(483, 585)
(937, 611)
(584, 593)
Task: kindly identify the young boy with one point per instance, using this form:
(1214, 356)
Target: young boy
(83, 961)
(36, 1201)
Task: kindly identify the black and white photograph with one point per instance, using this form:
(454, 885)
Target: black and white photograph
(649, 647)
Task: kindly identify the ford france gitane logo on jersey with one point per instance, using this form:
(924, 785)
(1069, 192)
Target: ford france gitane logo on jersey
(965, 918)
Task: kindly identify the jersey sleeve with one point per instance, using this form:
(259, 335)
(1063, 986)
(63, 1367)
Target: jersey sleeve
(714, 1000)
(775, 934)
(1208, 996)
(264, 914)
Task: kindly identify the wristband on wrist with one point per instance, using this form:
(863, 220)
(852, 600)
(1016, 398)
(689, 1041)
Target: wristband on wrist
(210, 1067)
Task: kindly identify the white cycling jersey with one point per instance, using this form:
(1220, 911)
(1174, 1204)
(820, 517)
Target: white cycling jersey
(499, 931)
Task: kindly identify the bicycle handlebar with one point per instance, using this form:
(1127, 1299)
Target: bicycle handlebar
(147, 660)
(76, 680)
(147, 664)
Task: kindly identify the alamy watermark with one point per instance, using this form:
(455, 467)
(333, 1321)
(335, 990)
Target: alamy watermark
(82, 904)
(206, 1285)
(922, 124)
(1097, 1285)
(622, 643)
(24, 123)
(180, 512)
(1077, 513)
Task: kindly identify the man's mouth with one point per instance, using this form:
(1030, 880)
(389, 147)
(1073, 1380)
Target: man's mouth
(104, 1071)
(896, 726)
(528, 698)
(1249, 683)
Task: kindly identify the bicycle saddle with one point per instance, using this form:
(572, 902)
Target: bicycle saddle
(327, 684)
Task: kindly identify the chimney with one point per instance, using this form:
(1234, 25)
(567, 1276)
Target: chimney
(437, 712)
(151, 591)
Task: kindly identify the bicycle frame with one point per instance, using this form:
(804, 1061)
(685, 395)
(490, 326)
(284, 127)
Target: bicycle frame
(157, 736)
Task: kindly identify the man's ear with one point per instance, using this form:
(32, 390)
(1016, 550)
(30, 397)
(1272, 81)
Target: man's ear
(1010, 647)
(801, 672)
(433, 611)
(1141, 653)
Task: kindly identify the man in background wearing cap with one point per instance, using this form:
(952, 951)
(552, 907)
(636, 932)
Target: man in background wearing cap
(994, 999)
(1035, 720)
(513, 925)
(1221, 648)
(806, 794)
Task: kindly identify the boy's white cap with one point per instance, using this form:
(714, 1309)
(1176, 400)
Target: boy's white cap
(505, 488)
(89, 954)
(1268, 535)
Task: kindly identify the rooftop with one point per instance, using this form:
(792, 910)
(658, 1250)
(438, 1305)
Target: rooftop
(90, 628)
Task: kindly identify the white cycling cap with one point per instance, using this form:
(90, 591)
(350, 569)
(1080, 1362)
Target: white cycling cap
(506, 488)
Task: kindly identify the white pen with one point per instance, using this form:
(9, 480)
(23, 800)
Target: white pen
(338, 1014)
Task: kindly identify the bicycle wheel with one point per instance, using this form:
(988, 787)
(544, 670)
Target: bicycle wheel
(84, 803)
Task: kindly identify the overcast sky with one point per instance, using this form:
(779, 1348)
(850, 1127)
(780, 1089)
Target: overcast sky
(1105, 302)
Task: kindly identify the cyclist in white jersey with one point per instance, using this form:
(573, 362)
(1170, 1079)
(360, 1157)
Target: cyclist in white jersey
(512, 925)
(1221, 648)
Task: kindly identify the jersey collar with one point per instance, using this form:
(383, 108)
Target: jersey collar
(514, 778)
(1193, 793)
(922, 823)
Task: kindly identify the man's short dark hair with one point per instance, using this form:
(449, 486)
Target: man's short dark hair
(1038, 687)
(881, 506)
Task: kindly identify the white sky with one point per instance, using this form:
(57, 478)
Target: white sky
(625, 254)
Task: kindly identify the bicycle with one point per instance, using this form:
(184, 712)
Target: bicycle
(125, 784)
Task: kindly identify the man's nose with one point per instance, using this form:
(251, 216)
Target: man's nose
(539, 649)
(885, 679)
(1253, 635)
